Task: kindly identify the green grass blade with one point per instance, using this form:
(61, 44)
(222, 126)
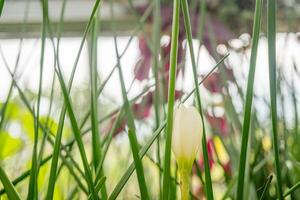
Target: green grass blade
(132, 134)
(4, 106)
(45, 135)
(131, 168)
(171, 98)
(57, 143)
(63, 112)
(65, 162)
(99, 185)
(138, 164)
(56, 153)
(229, 188)
(156, 36)
(273, 85)
(143, 18)
(74, 163)
(71, 170)
(8, 186)
(1, 6)
(292, 189)
(58, 147)
(248, 101)
(94, 100)
(71, 165)
(33, 185)
(25, 174)
(266, 186)
(96, 142)
(87, 28)
(77, 135)
(187, 23)
(74, 175)
(67, 146)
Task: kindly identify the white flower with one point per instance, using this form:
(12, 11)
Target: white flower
(186, 140)
(186, 136)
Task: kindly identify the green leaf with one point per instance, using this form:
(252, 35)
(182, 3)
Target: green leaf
(77, 135)
(9, 145)
(1, 6)
(248, 101)
(71, 114)
(99, 185)
(8, 186)
(129, 114)
(267, 184)
(273, 95)
(292, 189)
(96, 142)
(171, 98)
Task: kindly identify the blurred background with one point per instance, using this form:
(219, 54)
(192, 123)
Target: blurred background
(227, 28)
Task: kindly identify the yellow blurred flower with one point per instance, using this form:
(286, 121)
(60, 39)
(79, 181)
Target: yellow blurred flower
(220, 150)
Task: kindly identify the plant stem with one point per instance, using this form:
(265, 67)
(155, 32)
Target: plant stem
(8, 186)
(273, 96)
(184, 184)
(171, 98)
(130, 117)
(248, 101)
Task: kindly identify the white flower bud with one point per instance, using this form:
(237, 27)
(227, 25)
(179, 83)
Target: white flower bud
(186, 140)
(186, 136)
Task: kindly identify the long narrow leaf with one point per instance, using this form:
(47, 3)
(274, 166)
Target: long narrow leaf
(132, 134)
(99, 185)
(57, 143)
(292, 189)
(77, 135)
(156, 67)
(267, 184)
(273, 96)
(63, 111)
(96, 142)
(25, 174)
(1, 6)
(33, 185)
(8, 186)
(171, 98)
(248, 101)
